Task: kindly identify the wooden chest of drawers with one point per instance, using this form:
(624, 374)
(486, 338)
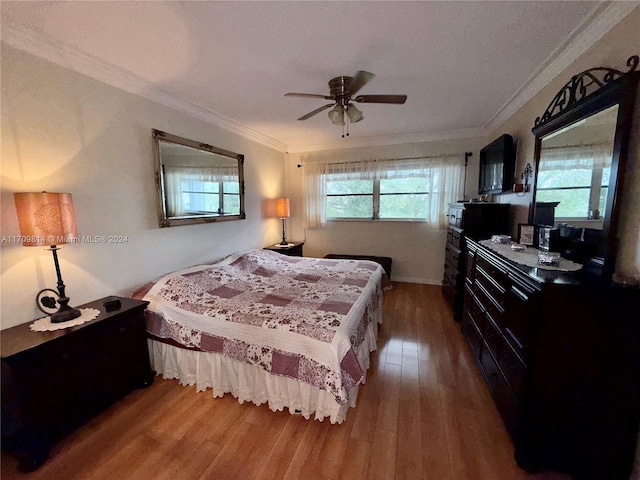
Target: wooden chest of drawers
(559, 353)
(475, 220)
(52, 382)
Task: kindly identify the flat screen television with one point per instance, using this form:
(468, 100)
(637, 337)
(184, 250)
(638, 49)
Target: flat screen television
(497, 165)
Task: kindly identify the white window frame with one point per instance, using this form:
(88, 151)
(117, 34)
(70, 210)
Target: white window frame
(444, 176)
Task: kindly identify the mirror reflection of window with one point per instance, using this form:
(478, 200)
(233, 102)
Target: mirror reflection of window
(198, 182)
(574, 169)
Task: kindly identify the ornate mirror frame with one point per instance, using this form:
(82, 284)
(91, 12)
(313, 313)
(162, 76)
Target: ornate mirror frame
(586, 94)
(164, 216)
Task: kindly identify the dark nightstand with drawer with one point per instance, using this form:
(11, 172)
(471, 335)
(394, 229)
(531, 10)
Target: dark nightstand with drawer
(294, 250)
(53, 382)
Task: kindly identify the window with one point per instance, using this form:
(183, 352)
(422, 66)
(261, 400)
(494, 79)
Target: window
(203, 197)
(393, 198)
(579, 191)
(577, 177)
(201, 191)
(408, 189)
(350, 198)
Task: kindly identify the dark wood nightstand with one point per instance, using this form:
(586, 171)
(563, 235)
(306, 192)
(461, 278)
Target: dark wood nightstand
(53, 382)
(295, 250)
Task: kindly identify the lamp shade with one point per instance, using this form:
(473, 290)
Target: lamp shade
(354, 114)
(336, 115)
(282, 208)
(46, 219)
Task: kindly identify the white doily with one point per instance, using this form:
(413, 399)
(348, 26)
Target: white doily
(45, 324)
(529, 257)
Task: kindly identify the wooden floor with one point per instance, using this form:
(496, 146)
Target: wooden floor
(424, 413)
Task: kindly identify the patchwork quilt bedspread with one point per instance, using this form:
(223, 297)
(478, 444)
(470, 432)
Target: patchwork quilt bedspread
(298, 317)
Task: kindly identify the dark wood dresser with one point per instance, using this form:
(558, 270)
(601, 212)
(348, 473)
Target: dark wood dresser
(52, 382)
(560, 354)
(474, 220)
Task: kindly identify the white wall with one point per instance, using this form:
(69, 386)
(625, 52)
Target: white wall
(62, 131)
(417, 250)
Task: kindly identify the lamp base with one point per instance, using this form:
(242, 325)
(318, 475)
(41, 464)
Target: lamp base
(283, 244)
(65, 313)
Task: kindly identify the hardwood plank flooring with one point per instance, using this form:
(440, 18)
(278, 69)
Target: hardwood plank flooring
(424, 413)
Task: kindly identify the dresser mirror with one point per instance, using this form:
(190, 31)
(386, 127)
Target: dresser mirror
(581, 148)
(196, 182)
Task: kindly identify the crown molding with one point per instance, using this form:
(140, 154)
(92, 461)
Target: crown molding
(355, 142)
(43, 46)
(603, 17)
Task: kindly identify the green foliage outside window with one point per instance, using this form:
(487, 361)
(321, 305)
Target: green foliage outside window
(573, 189)
(401, 198)
(204, 197)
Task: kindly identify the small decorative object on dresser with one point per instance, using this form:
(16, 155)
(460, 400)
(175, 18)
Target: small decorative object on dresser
(52, 382)
(292, 249)
(526, 234)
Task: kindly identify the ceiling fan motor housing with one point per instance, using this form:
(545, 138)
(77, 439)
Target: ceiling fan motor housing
(339, 89)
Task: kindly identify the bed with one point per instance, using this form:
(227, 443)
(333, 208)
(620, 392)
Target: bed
(294, 332)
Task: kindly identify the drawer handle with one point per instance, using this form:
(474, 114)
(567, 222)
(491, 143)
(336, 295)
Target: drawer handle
(514, 338)
(520, 294)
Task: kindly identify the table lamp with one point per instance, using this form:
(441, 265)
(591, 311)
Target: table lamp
(283, 211)
(48, 219)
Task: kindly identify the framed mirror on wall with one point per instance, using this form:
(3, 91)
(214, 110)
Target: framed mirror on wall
(581, 149)
(196, 182)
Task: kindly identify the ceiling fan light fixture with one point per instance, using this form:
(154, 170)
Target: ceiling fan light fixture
(336, 115)
(354, 114)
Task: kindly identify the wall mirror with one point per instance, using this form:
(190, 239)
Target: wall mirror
(581, 148)
(196, 182)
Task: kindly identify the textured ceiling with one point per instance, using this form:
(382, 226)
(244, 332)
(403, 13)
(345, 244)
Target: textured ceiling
(460, 63)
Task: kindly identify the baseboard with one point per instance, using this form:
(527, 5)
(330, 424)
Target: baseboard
(423, 281)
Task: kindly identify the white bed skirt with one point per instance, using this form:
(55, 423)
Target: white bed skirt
(251, 383)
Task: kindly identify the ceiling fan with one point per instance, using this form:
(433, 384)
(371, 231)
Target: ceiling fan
(342, 92)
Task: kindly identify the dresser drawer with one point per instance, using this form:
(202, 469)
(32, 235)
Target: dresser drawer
(499, 276)
(488, 303)
(454, 236)
(473, 308)
(470, 266)
(492, 335)
(519, 326)
(513, 367)
(505, 400)
(451, 272)
(492, 288)
(452, 254)
(471, 332)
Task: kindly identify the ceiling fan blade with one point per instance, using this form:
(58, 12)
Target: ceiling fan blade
(308, 95)
(360, 80)
(397, 99)
(317, 110)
